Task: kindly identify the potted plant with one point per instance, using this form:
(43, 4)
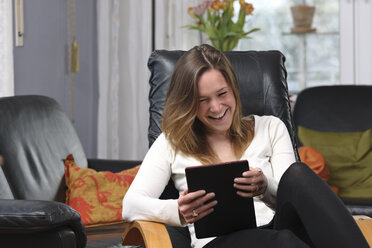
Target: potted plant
(216, 19)
(302, 16)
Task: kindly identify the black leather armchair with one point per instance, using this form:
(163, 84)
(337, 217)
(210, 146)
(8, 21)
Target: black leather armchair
(263, 89)
(337, 108)
(262, 81)
(35, 137)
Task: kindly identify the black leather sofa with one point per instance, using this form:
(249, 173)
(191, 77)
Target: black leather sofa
(35, 137)
(337, 108)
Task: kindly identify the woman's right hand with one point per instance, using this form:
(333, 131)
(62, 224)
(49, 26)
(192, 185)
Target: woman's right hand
(192, 206)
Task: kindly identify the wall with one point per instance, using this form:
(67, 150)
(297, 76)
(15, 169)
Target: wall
(40, 66)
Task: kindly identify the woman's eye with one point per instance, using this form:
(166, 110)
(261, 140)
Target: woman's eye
(203, 100)
(222, 93)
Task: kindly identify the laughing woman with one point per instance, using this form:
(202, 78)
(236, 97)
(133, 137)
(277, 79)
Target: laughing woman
(202, 123)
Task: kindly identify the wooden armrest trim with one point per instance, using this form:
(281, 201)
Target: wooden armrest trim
(365, 225)
(150, 234)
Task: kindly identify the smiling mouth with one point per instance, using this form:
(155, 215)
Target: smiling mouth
(218, 117)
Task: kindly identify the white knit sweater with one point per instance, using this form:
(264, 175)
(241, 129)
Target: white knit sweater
(271, 150)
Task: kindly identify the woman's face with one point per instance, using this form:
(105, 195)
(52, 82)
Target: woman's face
(217, 102)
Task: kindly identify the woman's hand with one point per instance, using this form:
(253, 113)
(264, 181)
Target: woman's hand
(192, 206)
(253, 183)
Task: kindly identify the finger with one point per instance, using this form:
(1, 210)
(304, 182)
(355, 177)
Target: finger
(253, 172)
(184, 200)
(249, 173)
(245, 194)
(245, 187)
(248, 180)
(256, 190)
(186, 208)
(202, 209)
(200, 216)
(185, 192)
(200, 201)
(248, 194)
(189, 197)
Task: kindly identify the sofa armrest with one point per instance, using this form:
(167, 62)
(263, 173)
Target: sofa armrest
(112, 165)
(146, 233)
(27, 216)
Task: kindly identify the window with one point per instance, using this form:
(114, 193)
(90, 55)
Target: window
(311, 58)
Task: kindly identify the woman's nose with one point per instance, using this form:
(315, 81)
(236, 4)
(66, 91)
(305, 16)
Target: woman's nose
(214, 106)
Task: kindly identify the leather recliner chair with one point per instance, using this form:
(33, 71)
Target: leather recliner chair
(262, 79)
(263, 90)
(337, 108)
(35, 137)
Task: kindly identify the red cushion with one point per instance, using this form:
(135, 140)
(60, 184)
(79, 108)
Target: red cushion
(97, 196)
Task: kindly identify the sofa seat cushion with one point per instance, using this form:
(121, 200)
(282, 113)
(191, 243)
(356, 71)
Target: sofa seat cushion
(348, 156)
(97, 196)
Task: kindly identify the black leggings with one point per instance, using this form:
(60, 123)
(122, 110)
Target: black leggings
(308, 214)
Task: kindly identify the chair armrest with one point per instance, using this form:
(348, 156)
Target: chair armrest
(112, 165)
(146, 233)
(365, 225)
(27, 216)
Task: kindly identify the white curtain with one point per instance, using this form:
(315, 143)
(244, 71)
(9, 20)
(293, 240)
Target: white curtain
(171, 16)
(124, 45)
(6, 49)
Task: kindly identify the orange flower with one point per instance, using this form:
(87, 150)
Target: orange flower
(217, 5)
(190, 11)
(246, 7)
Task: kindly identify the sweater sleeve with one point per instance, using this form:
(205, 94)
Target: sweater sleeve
(282, 156)
(142, 202)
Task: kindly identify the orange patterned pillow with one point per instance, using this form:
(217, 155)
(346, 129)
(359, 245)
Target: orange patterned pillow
(97, 196)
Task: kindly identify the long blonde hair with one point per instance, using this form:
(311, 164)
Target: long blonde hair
(180, 125)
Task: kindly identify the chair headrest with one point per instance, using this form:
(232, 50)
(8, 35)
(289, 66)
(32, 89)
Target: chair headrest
(261, 75)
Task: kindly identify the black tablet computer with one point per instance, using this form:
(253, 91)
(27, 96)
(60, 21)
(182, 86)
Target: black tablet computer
(232, 212)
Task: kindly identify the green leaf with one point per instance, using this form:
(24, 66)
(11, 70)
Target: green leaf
(252, 30)
(195, 27)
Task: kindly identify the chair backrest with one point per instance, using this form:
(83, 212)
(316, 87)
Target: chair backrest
(336, 108)
(263, 90)
(35, 136)
(262, 79)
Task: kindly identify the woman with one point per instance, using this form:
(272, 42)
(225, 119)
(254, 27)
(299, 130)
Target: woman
(202, 124)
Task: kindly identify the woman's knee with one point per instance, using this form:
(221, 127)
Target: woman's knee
(286, 238)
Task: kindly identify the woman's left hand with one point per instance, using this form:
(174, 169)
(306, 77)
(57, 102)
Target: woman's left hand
(253, 183)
